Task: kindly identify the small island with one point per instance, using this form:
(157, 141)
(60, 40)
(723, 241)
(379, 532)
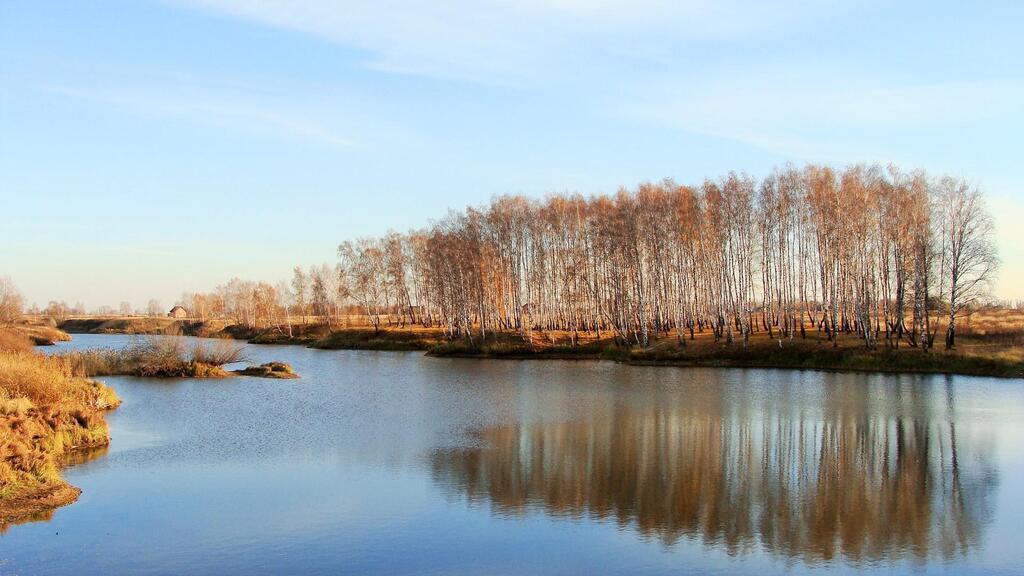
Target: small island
(171, 358)
(278, 370)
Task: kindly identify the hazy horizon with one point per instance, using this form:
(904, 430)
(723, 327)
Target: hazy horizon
(152, 148)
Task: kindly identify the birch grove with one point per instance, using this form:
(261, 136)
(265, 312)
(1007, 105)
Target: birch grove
(810, 252)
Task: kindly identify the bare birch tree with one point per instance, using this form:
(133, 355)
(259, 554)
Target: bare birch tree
(969, 258)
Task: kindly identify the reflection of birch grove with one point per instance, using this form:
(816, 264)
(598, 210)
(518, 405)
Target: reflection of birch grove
(872, 252)
(880, 474)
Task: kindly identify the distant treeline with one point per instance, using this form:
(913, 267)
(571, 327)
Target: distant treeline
(872, 251)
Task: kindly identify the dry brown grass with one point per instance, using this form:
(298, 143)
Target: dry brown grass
(40, 330)
(158, 357)
(992, 322)
(218, 353)
(42, 380)
(45, 412)
(12, 340)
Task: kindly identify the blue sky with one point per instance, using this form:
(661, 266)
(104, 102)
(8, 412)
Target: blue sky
(148, 148)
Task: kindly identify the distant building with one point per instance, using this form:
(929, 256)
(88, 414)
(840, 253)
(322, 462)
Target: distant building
(178, 312)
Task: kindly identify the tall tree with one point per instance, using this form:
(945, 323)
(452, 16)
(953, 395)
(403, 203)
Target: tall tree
(11, 302)
(300, 291)
(969, 257)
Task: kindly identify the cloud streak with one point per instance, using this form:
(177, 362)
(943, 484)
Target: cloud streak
(821, 117)
(207, 106)
(509, 42)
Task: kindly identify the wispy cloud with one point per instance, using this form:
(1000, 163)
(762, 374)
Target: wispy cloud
(207, 105)
(508, 41)
(822, 117)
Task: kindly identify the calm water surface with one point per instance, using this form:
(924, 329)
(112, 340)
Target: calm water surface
(388, 462)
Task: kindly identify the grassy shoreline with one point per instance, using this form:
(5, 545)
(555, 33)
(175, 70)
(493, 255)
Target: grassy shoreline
(799, 356)
(47, 414)
(978, 355)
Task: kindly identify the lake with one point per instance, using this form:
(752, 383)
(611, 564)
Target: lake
(395, 463)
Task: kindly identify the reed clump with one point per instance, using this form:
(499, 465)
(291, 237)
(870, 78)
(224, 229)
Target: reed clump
(159, 358)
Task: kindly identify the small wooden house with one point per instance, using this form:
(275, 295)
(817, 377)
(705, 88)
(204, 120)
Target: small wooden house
(177, 312)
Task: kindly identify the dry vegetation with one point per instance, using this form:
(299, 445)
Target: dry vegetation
(12, 340)
(148, 325)
(158, 357)
(46, 411)
(41, 331)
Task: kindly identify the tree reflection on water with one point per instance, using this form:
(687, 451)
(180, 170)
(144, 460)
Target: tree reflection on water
(865, 473)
